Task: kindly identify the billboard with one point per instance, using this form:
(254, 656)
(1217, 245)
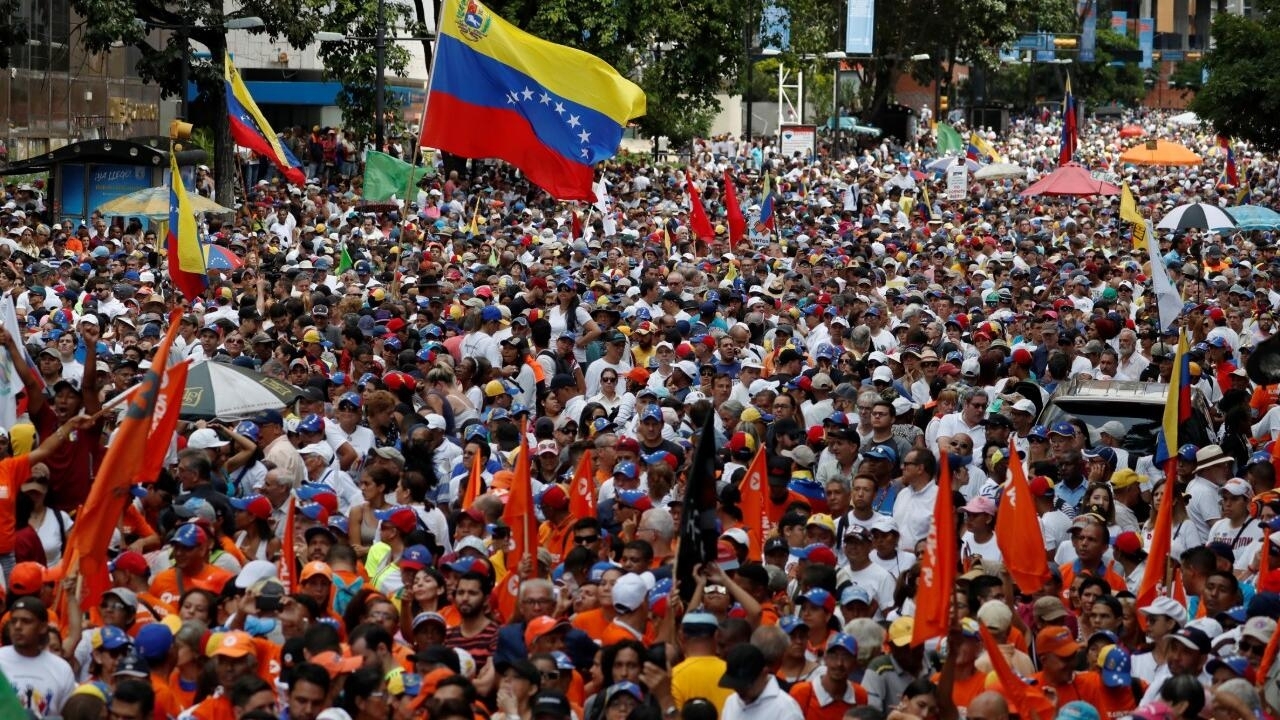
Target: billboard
(860, 27)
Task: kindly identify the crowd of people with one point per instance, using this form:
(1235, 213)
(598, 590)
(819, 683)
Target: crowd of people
(869, 333)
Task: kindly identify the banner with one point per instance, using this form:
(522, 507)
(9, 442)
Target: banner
(1120, 23)
(1088, 9)
(1146, 41)
(860, 26)
(775, 29)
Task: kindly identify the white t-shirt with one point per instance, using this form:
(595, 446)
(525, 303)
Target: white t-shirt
(877, 581)
(43, 683)
(913, 511)
(556, 317)
(1243, 540)
(986, 550)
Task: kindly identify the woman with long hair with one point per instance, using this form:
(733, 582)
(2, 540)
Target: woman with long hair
(609, 398)
(190, 665)
(254, 535)
(375, 484)
(1184, 534)
(618, 662)
(568, 315)
(945, 404)
(380, 417)
(447, 399)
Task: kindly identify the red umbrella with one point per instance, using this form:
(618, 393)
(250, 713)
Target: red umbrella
(1070, 179)
(1132, 131)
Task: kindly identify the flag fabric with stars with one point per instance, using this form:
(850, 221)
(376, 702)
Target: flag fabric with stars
(249, 128)
(550, 110)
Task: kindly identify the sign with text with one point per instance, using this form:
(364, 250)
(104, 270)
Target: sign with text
(957, 181)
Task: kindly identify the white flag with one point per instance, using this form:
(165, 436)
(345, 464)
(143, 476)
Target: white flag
(1168, 300)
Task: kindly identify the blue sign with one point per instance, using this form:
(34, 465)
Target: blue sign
(860, 27)
(1146, 40)
(1120, 22)
(83, 190)
(1089, 31)
(775, 29)
(1173, 55)
(71, 193)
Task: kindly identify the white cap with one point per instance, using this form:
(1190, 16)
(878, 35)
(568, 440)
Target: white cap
(321, 449)
(760, 385)
(205, 438)
(1026, 406)
(435, 421)
(255, 571)
(882, 373)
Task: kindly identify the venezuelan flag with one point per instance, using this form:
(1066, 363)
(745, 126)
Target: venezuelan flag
(187, 267)
(250, 129)
(1070, 133)
(1233, 175)
(766, 208)
(1177, 409)
(550, 110)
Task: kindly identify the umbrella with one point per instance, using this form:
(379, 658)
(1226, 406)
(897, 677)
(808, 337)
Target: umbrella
(1186, 118)
(220, 258)
(1196, 215)
(941, 164)
(153, 203)
(1070, 179)
(1160, 152)
(1000, 171)
(1254, 217)
(1132, 131)
(230, 392)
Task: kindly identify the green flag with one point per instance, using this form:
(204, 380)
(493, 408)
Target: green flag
(385, 176)
(10, 705)
(949, 140)
(344, 262)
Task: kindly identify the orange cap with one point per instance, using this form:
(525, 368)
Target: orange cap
(540, 626)
(234, 644)
(313, 568)
(337, 664)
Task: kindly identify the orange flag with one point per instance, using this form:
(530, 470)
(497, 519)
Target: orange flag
(582, 501)
(1155, 578)
(519, 515)
(1016, 522)
(91, 535)
(288, 566)
(1025, 700)
(752, 490)
(474, 481)
(938, 566)
(164, 422)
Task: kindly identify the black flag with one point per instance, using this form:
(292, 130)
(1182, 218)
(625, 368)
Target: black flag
(698, 535)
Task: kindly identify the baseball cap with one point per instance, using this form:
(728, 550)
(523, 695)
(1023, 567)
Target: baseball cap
(1237, 487)
(550, 704)
(541, 626)
(415, 557)
(901, 630)
(1123, 478)
(1167, 607)
(1193, 638)
(743, 665)
(401, 518)
(234, 644)
(1115, 665)
(1078, 710)
(1065, 429)
(819, 597)
(130, 561)
(629, 593)
(188, 536)
(1056, 640)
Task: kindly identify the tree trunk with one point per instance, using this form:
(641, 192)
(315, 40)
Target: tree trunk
(225, 166)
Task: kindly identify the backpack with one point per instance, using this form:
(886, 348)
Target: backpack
(343, 594)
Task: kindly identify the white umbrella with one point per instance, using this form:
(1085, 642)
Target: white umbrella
(1000, 171)
(1198, 216)
(1186, 118)
(941, 164)
(230, 392)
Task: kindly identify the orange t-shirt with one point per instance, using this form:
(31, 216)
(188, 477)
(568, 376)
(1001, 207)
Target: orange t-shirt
(183, 697)
(1118, 702)
(592, 622)
(1017, 639)
(135, 524)
(557, 540)
(1086, 686)
(165, 584)
(167, 705)
(13, 472)
(768, 613)
(214, 708)
(1068, 571)
(803, 694)
(616, 633)
(775, 512)
(967, 689)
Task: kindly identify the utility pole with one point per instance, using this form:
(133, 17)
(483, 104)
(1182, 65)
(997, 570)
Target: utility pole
(380, 82)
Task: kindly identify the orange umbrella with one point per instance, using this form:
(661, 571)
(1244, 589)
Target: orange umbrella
(1160, 152)
(1132, 131)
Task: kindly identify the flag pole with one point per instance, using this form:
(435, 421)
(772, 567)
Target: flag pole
(417, 143)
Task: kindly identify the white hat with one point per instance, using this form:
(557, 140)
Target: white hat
(882, 373)
(435, 421)
(321, 449)
(1167, 607)
(629, 593)
(688, 368)
(205, 438)
(1026, 406)
(760, 385)
(254, 572)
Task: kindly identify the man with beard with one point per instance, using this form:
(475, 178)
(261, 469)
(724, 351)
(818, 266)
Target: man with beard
(477, 634)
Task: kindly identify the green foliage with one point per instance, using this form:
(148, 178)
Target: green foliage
(679, 52)
(1242, 97)
(1187, 75)
(13, 30)
(354, 62)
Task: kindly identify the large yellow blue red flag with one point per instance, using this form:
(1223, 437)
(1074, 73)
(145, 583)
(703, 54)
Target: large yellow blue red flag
(550, 110)
(187, 267)
(250, 129)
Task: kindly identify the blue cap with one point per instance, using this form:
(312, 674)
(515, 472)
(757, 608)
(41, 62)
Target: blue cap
(881, 452)
(499, 413)
(352, 399)
(490, 313)
(242, 503)
(110, 637)
(1188, 452)
(312, 423)
(596, 574)
(837, 418)
(153, 641)
(627, 468)
(704, 619)
(601, 424)
(632, 498)
(476, 431)
(138, 491)
(188, 536)
(249, 430)
(426, 355)
(854, 593)
(310, 491)
(843, 641)
(338, 522)
(655, 458)
(1237, 614)
(312, 510)
(619, 688)
(651, 412)
(790, 623)
(1103, 452)
(1261, 456)
(1078, 710)
(365, 379)
(392, 343)
(1238, 665)
(819, 597)
(417, 556)
(1063, 428)
(1216, 341)
(268, 417)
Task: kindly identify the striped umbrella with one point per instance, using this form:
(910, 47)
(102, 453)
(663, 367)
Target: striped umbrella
(230, 392)
(1196, 216)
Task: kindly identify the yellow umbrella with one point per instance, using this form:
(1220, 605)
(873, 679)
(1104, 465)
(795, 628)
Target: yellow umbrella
(153, 203)
(1160, 152)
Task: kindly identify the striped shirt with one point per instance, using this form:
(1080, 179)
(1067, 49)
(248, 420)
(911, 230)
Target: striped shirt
(481, 645)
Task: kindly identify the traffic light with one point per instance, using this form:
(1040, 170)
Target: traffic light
(1065, 43)
(944, 104)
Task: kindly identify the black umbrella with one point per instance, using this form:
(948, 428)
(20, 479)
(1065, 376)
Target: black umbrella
(1197, 215)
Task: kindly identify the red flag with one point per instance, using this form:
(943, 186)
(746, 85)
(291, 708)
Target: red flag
(288, 553)
(474, 481)
(519, 515)
(91, 535)
(575, 229)
(753, 489)
(737, 223)
(938, 566)
(1154, 578)
(582, 501)
(699, 225)
(1025, 700)
(1016, 522)
(164, 422)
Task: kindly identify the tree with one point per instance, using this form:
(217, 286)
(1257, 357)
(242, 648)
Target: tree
(13, 29)
(353, 62)
(680, 52)
(1242, 96)
(1099, 82)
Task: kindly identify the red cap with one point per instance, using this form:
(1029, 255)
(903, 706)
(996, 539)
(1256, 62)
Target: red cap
(130, 561)
(822, 556)
(1128, 542)
(816, 434)
(1022, 356)
(627, 444)
(709, 341)
(1217, 314)
(1041, 486)
(395, 325)
(555, 498)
